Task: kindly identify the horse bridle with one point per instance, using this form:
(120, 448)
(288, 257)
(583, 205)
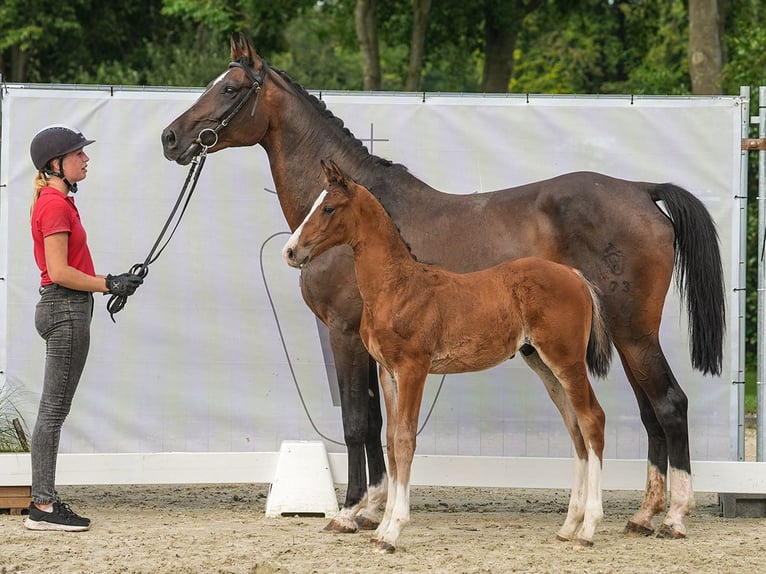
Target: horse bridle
(256, 83)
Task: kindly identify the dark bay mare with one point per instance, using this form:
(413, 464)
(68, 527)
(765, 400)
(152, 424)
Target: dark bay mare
(421, 319)
(610, 229)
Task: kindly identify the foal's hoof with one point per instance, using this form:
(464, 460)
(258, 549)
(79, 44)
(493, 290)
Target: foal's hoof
(582, 543)
(667, 531)
(635, 530)
(562, 538)
(365, 523)
(381, 547)
(338, 527)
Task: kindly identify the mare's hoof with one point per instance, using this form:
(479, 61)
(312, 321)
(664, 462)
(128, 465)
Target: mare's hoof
(667, 531)
(636, 530)
(364, 523)
(337, 527)
(562, 538)
(381, 547)
(582, 543)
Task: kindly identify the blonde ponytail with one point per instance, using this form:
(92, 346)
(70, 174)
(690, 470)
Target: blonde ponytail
(40, 182)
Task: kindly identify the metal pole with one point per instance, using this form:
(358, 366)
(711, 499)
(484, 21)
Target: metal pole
(741, 299)
(761, 334)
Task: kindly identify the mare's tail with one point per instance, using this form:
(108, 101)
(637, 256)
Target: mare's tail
(599, 353)
(699, 274)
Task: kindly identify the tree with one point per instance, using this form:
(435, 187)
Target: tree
(706, 19)
(503, 20)
(420, 12)
(366, 21)
(30, 29)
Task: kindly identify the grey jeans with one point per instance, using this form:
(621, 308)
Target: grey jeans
(62, 318)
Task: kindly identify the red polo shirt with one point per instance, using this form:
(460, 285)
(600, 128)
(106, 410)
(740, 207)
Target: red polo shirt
(56, 213)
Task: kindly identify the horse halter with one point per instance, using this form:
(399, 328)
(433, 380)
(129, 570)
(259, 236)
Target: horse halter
(256, 83)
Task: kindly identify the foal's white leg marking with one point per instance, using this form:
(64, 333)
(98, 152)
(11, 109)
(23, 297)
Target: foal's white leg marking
(577, 500)
(681, 500)
(400, 515)
(293, 241)
(390, 500)
(594, 510)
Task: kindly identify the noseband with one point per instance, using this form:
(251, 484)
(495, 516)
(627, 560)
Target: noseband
(209, 136)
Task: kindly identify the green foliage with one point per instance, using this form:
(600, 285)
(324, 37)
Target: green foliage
(595, 46)
(192, 63)
(9, 439)
(745, 44)
(316, 57)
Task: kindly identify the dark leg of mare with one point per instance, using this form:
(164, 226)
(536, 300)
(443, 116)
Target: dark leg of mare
(337, 303)
(362, 426)
(663, 405)
(663, 410)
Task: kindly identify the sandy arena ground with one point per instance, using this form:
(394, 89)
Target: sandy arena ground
(221, 529)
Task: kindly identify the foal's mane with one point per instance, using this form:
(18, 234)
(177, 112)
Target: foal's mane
(391, 219)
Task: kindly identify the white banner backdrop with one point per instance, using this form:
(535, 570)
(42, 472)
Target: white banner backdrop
(217, 351)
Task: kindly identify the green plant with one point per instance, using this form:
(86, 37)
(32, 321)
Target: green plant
(13, 429)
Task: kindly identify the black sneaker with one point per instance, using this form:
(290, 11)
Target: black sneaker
(62, 518)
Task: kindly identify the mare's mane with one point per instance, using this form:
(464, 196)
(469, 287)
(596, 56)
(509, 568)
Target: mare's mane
(321, 107)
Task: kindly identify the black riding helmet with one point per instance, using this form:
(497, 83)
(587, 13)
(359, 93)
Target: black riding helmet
(55, 142)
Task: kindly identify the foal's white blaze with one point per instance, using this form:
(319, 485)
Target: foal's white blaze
(293, 241)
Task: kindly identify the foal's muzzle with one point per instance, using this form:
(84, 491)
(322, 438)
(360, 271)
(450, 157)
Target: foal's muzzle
(292, 258)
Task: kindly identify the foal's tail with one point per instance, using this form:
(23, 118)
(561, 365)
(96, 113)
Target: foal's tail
(599, 354)
(699, 274)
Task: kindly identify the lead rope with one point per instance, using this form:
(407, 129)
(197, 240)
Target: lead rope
(117, 302)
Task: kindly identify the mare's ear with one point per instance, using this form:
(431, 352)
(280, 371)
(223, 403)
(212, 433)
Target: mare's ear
(242, 48)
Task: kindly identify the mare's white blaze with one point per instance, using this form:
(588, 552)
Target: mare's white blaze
(681, 499)
(293, 241)
(215, 82)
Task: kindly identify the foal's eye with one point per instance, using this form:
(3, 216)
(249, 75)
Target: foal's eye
(328, 209)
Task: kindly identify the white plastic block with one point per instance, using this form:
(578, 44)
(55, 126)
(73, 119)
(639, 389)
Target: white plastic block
(303, 482)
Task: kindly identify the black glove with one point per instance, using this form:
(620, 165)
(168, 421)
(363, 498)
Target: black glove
(123, 284)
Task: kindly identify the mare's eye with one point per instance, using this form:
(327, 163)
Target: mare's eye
(229, 90)
(328, 209)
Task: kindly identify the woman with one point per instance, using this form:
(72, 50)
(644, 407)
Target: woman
(63, 314)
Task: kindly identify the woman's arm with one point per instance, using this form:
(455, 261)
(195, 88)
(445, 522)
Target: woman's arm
(59, 270)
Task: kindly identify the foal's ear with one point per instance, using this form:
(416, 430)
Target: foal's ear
(242, 48)
(332, 172)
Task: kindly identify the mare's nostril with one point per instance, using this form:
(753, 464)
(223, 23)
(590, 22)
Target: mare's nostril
(169, 137)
